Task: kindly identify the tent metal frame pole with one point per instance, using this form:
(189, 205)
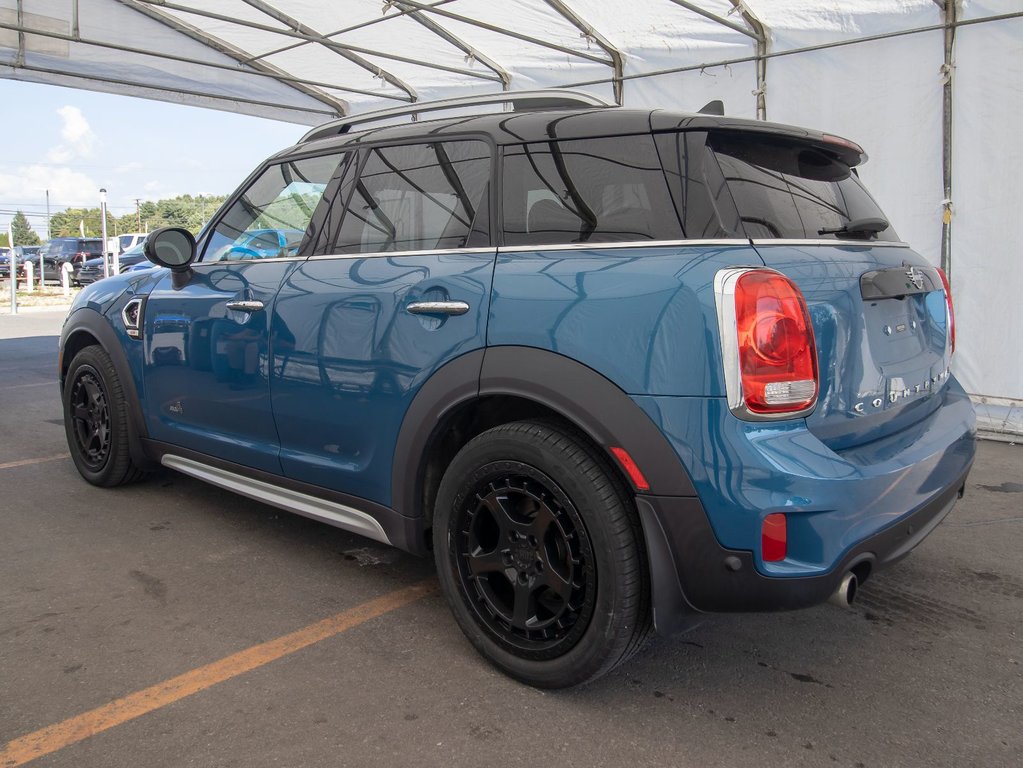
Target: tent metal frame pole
(719, 19)
(331, 35)
(221, 46)
(590, 33)
(760, 35)
(20, 58)
(254, 72)
(340, 50)
(950, 13)
(472, 53)
(793, 51)
(507, 33)
(314, 39)
(170, 89)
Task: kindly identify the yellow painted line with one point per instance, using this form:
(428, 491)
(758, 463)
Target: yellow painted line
(27, 462)
(54, 737)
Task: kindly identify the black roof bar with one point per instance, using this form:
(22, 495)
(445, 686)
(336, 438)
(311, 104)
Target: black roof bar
(521, 101)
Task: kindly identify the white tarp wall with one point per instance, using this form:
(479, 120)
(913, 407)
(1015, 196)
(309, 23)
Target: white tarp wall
(304, 60)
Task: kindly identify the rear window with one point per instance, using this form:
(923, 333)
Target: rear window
(586, 191)
(791, 189)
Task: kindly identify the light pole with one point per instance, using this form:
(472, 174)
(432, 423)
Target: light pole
(103, 229)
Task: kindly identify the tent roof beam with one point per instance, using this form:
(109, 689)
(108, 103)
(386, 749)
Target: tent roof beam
(312, 34)
(590, 33)
(221, 46)
(471, 52)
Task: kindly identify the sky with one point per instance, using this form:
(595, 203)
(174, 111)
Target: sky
(74, 142)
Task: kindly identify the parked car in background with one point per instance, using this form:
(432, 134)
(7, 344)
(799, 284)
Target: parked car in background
(5, 262)
(92, 270)
(261, 244)
(27, 251)
(73, 250)
(611, 368)
(129, 240)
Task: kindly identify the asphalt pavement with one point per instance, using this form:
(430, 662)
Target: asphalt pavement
(174, 624)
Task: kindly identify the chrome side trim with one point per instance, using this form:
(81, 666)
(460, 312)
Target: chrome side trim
(836, 241)
(303, 504)
(231, 262)
(397, 254)
(728, 330)
(629, 244)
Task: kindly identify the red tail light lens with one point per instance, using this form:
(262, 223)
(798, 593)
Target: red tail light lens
(951, 313)
(774, 538)
(777, 351)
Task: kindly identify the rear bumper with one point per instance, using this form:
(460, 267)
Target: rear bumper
(860, 508)
(691, 571)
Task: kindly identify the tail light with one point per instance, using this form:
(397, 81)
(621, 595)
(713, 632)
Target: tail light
(951, 312)
(767, 342)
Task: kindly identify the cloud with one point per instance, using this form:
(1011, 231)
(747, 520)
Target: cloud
(134, 165)
(78, 137)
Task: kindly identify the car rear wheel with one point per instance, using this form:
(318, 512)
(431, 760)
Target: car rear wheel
(539, 555)
(96, 420)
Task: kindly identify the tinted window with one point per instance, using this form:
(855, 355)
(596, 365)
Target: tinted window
(270, 219)
(418, 197)
(701, 194)
(791, 189)
(586, 191)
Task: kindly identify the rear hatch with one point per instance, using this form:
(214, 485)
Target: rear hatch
(878, 309)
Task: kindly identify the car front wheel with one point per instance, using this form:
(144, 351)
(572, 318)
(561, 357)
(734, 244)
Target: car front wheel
(96, 420)
(539, 555)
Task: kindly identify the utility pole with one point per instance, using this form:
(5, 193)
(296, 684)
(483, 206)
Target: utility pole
(48, 235)
(138, 215)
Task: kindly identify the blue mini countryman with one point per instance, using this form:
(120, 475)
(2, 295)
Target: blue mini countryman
(612, 367)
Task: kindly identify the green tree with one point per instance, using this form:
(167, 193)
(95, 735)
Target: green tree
(23, 234)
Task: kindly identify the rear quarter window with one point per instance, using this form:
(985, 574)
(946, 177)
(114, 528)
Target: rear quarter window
(586, 191)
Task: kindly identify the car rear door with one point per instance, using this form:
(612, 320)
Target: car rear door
(399, 284)
(207, 343)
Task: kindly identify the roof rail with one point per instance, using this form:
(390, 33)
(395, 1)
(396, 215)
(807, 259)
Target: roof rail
(521, 101)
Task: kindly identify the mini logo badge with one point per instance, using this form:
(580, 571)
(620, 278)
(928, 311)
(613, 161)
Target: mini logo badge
(915, 277)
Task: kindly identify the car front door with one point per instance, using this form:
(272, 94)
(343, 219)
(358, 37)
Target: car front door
(399, 285)
(207, 342)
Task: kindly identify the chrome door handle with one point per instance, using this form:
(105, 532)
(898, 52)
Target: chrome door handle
(245, 306)
(437, 308)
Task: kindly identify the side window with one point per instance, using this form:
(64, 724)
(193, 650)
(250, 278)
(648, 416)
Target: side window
(586, 191)
(701, 193)
(418, 197)
(271, 218)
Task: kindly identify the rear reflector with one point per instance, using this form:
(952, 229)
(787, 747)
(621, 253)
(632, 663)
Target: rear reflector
(774, 538)
(630, 467)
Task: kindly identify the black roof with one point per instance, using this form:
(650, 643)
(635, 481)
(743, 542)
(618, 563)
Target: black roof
(522, 127)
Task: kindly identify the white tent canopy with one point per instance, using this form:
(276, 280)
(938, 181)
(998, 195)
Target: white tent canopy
(930, 87)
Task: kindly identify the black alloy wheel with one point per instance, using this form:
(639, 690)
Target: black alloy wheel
(96, 420)
(90, 417)
(523, 553)
(539, 554)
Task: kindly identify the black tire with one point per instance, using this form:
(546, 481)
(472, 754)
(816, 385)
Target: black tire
(540, 556)
(96, 420)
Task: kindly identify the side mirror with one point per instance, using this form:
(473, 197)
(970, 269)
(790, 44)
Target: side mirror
(171, 247)
(174, 248)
